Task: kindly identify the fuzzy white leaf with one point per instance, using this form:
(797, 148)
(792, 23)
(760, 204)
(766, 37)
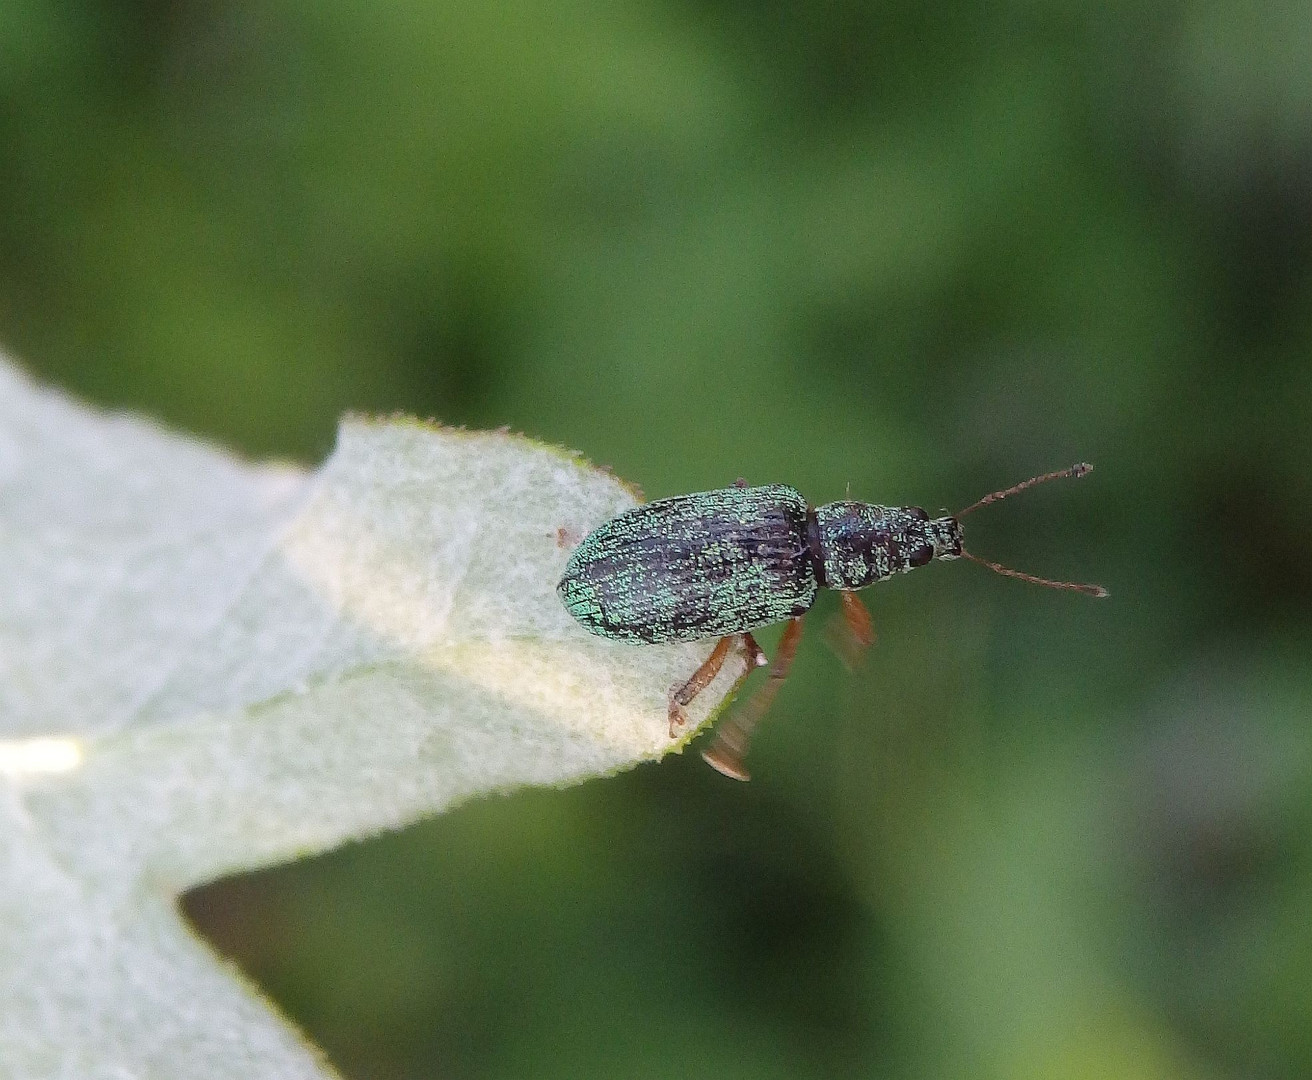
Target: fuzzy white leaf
(207, 665)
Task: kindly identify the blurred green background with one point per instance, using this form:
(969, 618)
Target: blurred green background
(921, 250)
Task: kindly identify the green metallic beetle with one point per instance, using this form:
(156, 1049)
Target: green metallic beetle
(720, 564)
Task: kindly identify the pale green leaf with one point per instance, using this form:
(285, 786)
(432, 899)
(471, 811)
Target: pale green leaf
(207, 665)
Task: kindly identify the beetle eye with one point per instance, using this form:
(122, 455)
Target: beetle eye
(922, 555)
(917, 513)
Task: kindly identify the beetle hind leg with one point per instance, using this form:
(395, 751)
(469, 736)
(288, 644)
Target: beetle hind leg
(755, 654)
(701, 679)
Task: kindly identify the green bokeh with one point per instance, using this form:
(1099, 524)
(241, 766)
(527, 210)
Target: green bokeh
(916, 250)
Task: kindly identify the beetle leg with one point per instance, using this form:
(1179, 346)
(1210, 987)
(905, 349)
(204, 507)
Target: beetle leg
(726, 752)
(755, 654)
(851, 633)
(857, 616)
(701, 679)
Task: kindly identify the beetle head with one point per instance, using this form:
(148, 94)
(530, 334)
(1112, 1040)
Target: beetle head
(944, 536)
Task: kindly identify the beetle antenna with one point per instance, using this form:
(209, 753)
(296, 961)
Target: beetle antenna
(1075, 472)
(1006, 571)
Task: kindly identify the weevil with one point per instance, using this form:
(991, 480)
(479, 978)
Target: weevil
(720, 564)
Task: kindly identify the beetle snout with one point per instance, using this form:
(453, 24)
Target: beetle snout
(945, 535)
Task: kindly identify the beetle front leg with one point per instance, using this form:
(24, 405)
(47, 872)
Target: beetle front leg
(850, 633)
(701, 679)
(857, 617)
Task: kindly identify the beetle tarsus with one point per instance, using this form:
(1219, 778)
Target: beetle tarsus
(678, 718)
(725, 755)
